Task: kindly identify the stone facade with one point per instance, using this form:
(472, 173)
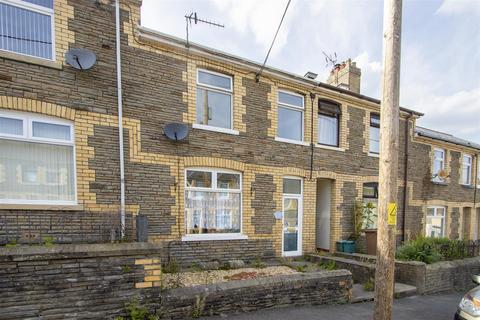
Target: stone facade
(159, 85)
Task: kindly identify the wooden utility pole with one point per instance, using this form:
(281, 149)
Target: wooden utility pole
(388, 167)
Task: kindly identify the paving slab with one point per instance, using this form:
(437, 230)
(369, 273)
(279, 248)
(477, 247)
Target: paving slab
(401, 290)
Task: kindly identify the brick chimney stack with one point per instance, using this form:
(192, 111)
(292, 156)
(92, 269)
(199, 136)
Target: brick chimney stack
(346, 75)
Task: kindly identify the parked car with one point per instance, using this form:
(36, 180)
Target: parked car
(469, 307)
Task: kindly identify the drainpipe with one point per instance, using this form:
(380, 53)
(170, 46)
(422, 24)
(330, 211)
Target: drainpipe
(120, 120)
(476, 186)
(312, 145)
(405, 174)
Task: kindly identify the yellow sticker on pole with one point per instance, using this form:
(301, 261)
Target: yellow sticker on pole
(392, 213)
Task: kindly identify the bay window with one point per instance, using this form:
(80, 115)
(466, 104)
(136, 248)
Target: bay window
(328, 123)
(212, 201)
(290, 116)
(374, 143)
(214, 100)
(435, 222)
(438, 165)
(37, 162)
(467, 170)
(27, 27)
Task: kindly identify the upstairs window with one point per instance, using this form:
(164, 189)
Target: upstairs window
(214, 99)
(438, 165)
(328, 123)
(374, 143)
(290, 116)
(467, 170)
(37, 164)
(212, 201)
(478, 172)
(27, 27)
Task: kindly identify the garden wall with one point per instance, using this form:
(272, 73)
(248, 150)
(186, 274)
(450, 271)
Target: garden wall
(96, 281)
(428, 278)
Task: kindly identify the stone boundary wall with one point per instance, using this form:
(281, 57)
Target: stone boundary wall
(97, 281)
(328, 287)
(428, 278)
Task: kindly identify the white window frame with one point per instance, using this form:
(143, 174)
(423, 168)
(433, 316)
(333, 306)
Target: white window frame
(214, 188)
(40, 9)
(299, 198)
(436, 214)
(295, 108)
(478, 172)
(27, 136)
(370, 153)
(437, 178)
(219, 90)
(467, 181)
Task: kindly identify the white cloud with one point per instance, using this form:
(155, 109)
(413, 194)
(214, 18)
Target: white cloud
(459, 7)
(457, 114)
(259, 19)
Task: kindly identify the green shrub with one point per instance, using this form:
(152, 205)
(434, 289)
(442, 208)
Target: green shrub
(369, 285)
(135, 311)
(170, 267)
(431, 250)
(329, 265)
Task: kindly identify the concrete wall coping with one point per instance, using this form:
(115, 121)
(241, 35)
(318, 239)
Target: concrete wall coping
(62, 251)
(238, 284)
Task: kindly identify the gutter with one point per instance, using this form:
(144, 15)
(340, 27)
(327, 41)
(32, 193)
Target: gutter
(159, 37)
(120, 118)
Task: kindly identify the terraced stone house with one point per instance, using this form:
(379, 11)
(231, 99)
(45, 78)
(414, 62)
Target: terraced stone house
(272, 165)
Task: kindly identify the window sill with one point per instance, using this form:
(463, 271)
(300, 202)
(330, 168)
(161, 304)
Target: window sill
(322, 146)
(213, 236)
(215, 129)
(49, 207)
(301, 143)
(440, 183)
(30, 60)
(374, 155)
(467, 186)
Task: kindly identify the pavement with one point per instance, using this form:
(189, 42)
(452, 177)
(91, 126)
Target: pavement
(432, 307)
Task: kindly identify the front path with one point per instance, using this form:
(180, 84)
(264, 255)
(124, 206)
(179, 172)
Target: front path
(434, 307)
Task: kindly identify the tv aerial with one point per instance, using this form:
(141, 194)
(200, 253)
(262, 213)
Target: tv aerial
(80, 59)
(176, 131)
(330, 59)
(193, 17)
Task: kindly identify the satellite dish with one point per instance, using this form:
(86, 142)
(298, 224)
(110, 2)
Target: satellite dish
(176, 131)
(81, 59)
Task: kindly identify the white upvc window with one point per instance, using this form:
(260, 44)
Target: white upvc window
(290, 117)
(467, 169)
(374, 136)
(478, 172)
(435, 222)
(27, 27)
(37, 160)
(213, 202)
(214, 100)
(438, 164)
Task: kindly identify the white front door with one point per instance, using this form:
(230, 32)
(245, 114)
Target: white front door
(292, 217)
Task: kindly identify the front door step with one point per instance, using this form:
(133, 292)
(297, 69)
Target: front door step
(401, 291)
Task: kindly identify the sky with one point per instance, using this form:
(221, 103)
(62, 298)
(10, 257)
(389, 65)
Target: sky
(440, 62)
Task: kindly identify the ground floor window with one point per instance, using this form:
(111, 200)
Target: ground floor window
(435, 222)
(37, 160)
(212, 201)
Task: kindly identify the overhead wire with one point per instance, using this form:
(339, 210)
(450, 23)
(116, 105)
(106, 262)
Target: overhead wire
(259, 73)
